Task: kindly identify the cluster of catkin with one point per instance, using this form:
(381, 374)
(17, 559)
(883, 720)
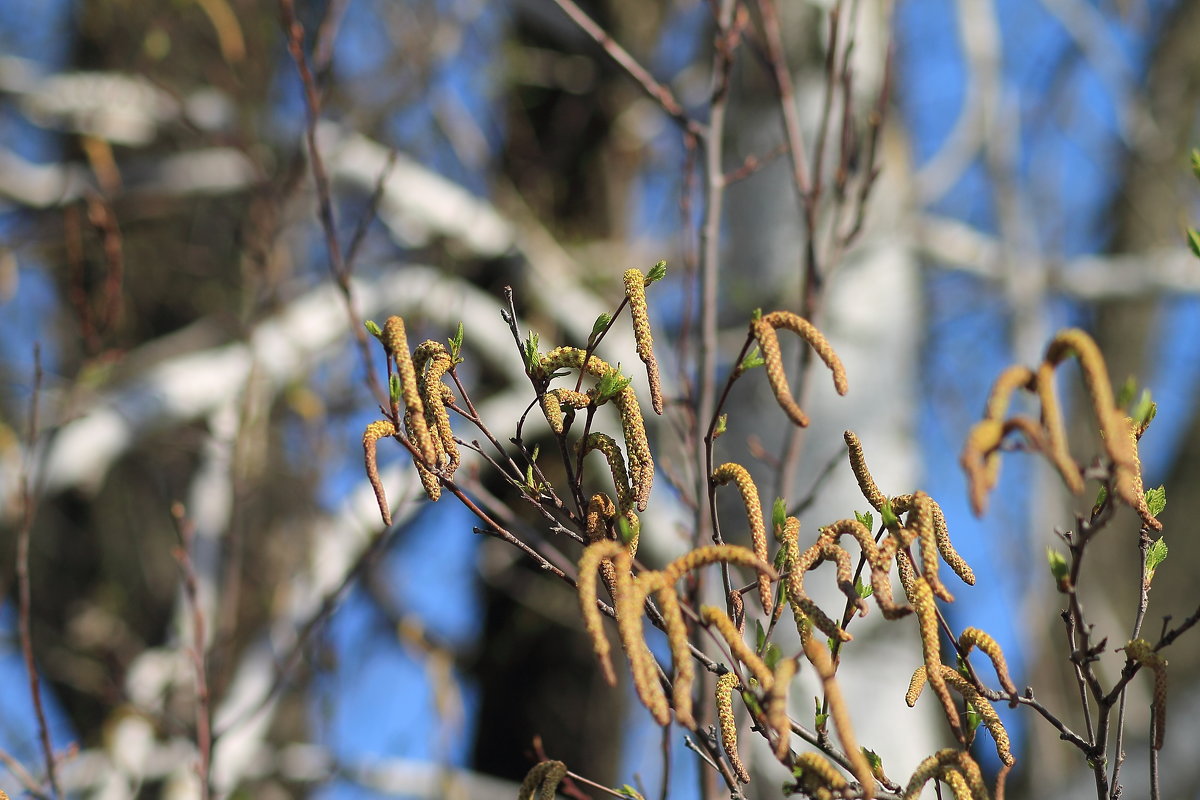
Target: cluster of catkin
(1120, 433)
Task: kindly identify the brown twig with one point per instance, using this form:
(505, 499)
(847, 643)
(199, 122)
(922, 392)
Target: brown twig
(185, 529)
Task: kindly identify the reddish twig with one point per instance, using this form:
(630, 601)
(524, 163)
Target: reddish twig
(185, 529)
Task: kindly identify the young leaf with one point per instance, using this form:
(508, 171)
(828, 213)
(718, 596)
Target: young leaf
(862, 589)
(628, 791)
(1193, 237)
(722, 422)
(599, 325)
(1156, 500)
(753, 359)
(779, 514)
(624, 530)
(394, 390)
(973, 719)
(1058, 567)
(611, 384)
(819, 719)
(890, 520)
(1101, 498)
(657, 272)
(866, 520)
(1143, 408)
(1155, 556)
(772, 655)
(751, 701)
(873, 759)
(456, 345)
(1196, 163)
(1128, 390)
(760, 637)
(372, 328)
(532, 357)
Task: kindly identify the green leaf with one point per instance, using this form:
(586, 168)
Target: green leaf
(890, 520)
(722, 422)
(625, 530)
(628, 791)
(760, 637)
(819, 719)
(1155, 556)
(1193, 237)
(611, 384)
(1101, 498)
(1156, 500)
(772, 655)
(657, 272)
(779, 514)
(757, 315)
(456, 345)
(533, 358)
(1128, 390)
(598, 326)
(973, 719)
(1142, 409)
(372, 328)
(394, 388)
(1196, 163)
(873, 759)
(861, 589)
(1058, 566)
(751, 701)
(753, 359)
(866, 520)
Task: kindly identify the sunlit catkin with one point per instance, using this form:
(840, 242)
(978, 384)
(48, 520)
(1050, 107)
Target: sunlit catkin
(974, 637)
(1140, 651)
(818, 656)
(681, 654)
(737, 474)
(710, 615)
(820, 778)
(541, 782)
(858, 464)
(922, 600)
(987, 713)
(395, 341)
(635, 290)
(724, 696)
(763, 330)
(593, 556)
(374, 432)
(776, 707)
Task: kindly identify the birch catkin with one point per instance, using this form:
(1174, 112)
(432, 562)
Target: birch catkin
(395, 341)
(737, 474)
(763, 330)
(635, 290)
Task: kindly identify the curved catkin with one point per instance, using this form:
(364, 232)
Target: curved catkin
(635, 290)
(724, 696)
(1128, 483)
(862, 474)
(922, 600)
(594, 556)
(710, 615)
(681, 654)
(736, 473)
(957, 783)
(633, 427)
(974, 637)
(429, 478)
(395, 341)
(553, 401)
(374, 432)
(611, 451)
(818, 656)
(631, 600)
(776, 707)
(1140, 651)
(920, 518)
(941, 533)
(763, 330)
(1056, 432)
(600, 514)
(915, 684)
(818, 773)
(715, 554)
(800, 599)
(541, 782)
(987, 713)
(938, 765)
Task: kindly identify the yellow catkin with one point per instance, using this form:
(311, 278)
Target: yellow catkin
(987, 712)
(922, 600)
(600, 514)
(541, 782)
(957, 783)
(1141, 651)
(763, 330)
(858, 464)
(374, 432)
(737, 645)
(776, 707)
(941, 762)
(633, 427)
(429, 478)
(553, 401)
(432, 362)
(635, 290)
(594, 555)
(980, 457)
(974, 637)
(1128, 485)
(718, 553)
(818, 656)
(819, 778)
(800, 599)
(630, 607)
(941, 533)
(920, 518)
(737, 474)
(611, 451)
(681, 654)
(725, 686)
(395, 341)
